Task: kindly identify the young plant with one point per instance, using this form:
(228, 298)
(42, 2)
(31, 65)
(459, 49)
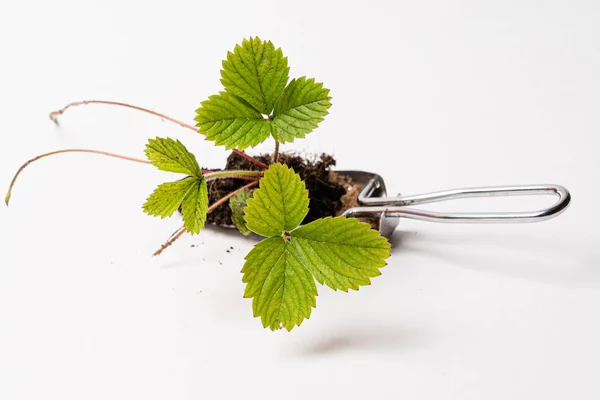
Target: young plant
(258, 103)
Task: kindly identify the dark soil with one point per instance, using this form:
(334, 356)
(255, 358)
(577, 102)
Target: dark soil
(328, 191)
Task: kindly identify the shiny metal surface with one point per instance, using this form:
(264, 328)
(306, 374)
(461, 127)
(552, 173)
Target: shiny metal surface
(374, 203)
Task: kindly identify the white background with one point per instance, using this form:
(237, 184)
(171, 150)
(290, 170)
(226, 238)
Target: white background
(431, 95)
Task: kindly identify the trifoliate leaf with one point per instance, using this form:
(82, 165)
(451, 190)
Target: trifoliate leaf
(279, 205)
(340, 252)
(195, 207)
(237, 204)
(190, 193)
(228, 120)
(283, 290)
(256, 72)
(171, 155)
(167, 197)
(256, 102)
(300, 109)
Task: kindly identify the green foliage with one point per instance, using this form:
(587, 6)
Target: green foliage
(195, 207)
(284, 291)
(256, 102)
(256, 72)
(237, 204)
(300, 109)
(279, 205)
(280, 271)
(168, 196)
(189, 193)
(341, 253)
(171, 155)
(231, 122)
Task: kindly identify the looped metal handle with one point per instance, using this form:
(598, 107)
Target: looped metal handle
(396, 206)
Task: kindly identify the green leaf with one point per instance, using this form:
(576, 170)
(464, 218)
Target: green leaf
(167, 197)
(279, 205)
(340, 252)
(195, 207)
(300, 109)
(237, 204)
(256, 102)
(228, 120)
(256, 72)
(190, 194)
(283, 291)
(171, 155)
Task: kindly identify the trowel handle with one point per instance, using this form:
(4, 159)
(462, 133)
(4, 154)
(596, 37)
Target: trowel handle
(389, 209)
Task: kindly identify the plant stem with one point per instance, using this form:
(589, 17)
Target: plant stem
(250, 158)
(232, 174)
(169, 242)
(230, 195)
(54, 117)
(216, 204)
(54, 114)
(104, 153)
(245, 178)
(276, 152)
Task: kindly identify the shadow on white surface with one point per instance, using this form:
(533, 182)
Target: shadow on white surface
(538, 258)
(362, 338)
